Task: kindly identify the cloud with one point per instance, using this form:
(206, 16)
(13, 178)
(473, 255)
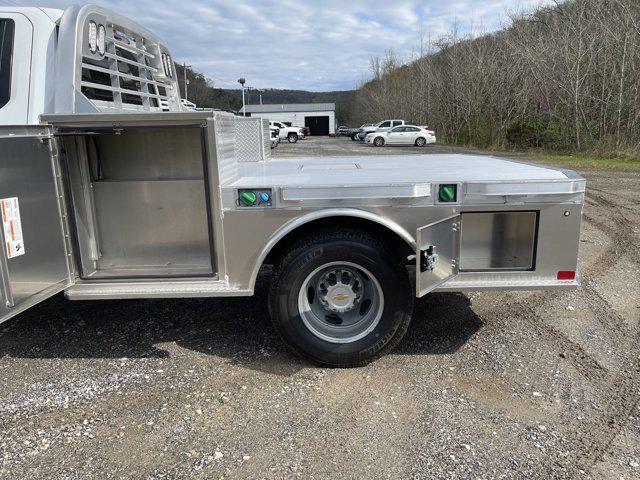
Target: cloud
(309, 45)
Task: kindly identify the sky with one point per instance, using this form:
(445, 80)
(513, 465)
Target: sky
(308, 45)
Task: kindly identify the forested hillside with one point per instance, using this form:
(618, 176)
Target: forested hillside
(565, 78)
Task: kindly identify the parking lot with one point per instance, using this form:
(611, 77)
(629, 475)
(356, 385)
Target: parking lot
(333, 146)
(484, 385)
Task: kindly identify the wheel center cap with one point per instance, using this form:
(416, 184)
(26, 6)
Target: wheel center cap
(340, 298)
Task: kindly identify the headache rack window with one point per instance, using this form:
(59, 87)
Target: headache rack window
(125, 77)
(7, 27)
(97, 76)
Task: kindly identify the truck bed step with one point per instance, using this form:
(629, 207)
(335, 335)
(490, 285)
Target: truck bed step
(154, 289)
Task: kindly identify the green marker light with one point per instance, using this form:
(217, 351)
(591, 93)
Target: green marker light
(447, 193)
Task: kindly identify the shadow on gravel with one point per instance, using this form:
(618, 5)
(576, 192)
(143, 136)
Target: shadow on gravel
(238, 329)
(441, 324)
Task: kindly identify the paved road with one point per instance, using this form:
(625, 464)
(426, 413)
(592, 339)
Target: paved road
(490, 385)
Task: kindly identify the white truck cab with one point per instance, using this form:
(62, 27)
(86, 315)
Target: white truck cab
(110, 188)
(28, 63)
(45, 69)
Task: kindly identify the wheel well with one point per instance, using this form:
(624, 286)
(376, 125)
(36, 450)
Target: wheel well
(397, 242)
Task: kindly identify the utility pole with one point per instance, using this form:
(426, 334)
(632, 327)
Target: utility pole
(260, 93)
(242, 81)
(186, 81)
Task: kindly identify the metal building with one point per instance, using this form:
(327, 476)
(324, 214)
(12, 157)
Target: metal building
(319, 117)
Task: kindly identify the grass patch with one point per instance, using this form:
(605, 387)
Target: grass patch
(583, 161)
(574, 160)
(568, 160)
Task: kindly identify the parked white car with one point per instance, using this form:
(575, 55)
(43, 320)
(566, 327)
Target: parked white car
(292, 134)
(402, 135)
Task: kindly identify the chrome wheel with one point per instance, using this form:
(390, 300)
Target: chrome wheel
(421, 142)
(340, 302)
(378, 142)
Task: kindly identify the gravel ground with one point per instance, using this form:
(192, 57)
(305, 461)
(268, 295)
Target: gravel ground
(486, 385)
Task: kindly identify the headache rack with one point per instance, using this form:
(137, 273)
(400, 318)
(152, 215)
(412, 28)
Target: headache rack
(133, 71)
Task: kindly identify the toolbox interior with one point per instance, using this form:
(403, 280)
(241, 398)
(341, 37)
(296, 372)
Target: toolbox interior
(139, 202)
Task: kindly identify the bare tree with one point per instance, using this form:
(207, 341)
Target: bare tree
(561, 77)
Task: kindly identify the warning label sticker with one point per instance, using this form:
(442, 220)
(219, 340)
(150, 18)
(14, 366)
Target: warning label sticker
(14, 243)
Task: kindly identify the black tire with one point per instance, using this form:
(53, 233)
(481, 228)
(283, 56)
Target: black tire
(354, 136)
(420, 142)
(292, 137)
(378, 142)
(335, 245)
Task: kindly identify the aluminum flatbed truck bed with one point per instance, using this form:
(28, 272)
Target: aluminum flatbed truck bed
(204, 219)
(402, 169)
(111, 190)
(406, 189)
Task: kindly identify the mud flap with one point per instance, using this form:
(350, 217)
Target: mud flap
(438, 254)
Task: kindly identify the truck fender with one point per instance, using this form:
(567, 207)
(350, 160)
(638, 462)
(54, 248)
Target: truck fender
(335, 212)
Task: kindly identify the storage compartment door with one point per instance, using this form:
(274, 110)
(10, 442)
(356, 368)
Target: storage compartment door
(33, 264)
(491, 241)
(437, 258)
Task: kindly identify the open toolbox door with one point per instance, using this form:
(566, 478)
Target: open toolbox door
(438, 253)
(35, 262)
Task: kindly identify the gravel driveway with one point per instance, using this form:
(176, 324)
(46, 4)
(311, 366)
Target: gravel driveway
(486, 385)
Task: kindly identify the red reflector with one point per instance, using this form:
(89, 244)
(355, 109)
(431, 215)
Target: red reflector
(566, 275)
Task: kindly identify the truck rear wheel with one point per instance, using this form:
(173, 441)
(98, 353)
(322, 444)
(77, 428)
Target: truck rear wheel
(292, 137)
(340, 298)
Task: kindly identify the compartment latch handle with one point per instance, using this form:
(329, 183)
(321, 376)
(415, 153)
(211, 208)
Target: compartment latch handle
(428, 258)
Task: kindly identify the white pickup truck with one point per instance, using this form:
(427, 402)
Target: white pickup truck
(110, 188)
(274, 135)
(291, 134)
(379, 127)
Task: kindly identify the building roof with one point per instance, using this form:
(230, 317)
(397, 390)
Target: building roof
(290, 107)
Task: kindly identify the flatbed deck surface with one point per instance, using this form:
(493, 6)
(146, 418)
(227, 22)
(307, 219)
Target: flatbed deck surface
(392, 169)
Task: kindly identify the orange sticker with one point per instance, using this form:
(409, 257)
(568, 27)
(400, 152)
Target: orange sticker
(12, 227)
